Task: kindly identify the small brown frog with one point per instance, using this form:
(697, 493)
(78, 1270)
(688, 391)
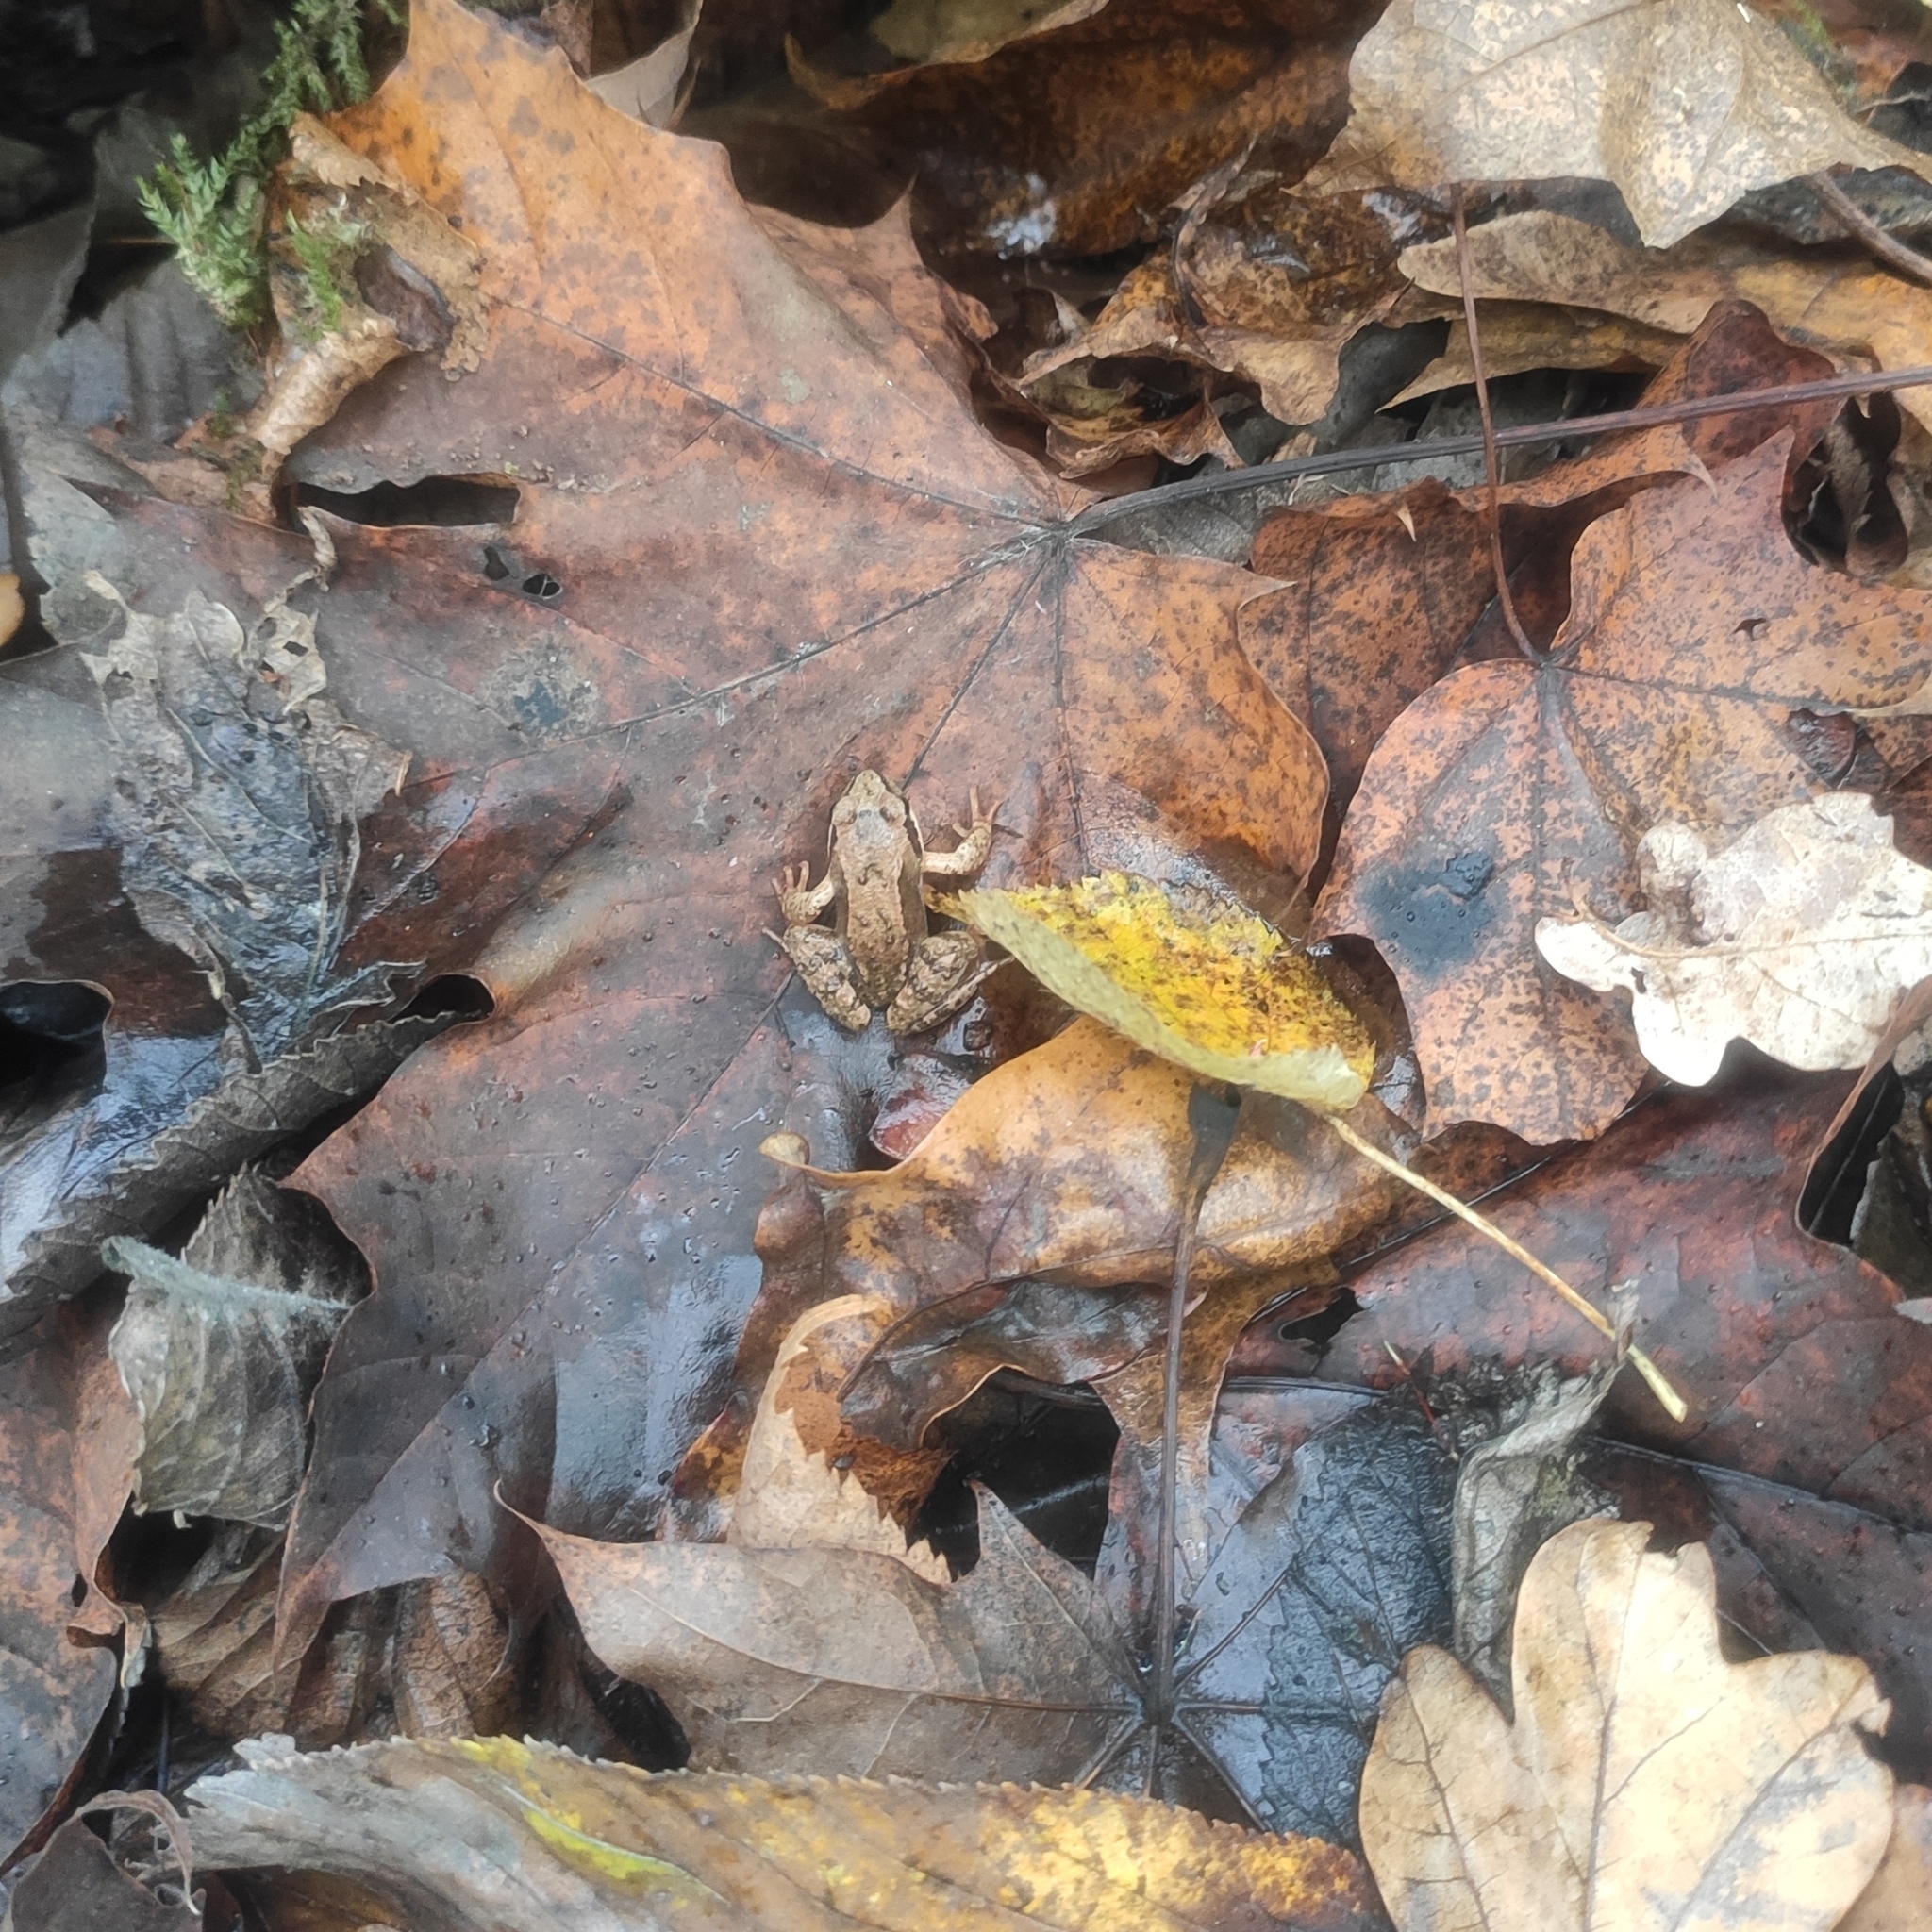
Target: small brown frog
(881, 954)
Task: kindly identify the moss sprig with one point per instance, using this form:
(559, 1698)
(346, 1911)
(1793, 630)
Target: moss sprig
(213, 210)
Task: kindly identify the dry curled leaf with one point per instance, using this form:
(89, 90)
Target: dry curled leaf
(1686, 105)
(498, 1833)
(1645, 1782)
(1799, 937)
(1851, 309)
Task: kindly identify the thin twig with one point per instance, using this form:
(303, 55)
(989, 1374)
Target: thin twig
(1492, 469)
(1674, 1403)
(1886, 247)
(1521, 436)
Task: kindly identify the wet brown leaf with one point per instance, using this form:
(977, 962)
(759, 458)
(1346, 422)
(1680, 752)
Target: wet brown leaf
(1787, 1348)
(1386, 594)
(67, 1440)
(1644, 1782)
(1074, 139)
(1034, 1228)
(729, 1853)
(1686, 105)
(1514, 792)
(759, 542)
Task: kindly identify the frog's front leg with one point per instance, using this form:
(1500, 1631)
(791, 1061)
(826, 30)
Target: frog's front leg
(969, 854)
(941, 976)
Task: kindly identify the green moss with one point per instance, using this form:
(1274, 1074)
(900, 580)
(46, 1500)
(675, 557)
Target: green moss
(212, 210)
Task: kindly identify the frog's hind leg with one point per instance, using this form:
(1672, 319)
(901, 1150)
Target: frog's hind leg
(944, 973)
(826, 967)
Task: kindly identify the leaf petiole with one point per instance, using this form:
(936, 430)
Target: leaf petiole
(1674, 1403)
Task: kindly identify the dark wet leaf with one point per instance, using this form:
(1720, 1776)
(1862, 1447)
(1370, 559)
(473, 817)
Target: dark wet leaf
(222, 1349)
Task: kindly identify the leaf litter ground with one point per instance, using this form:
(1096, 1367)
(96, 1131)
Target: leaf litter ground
(761, 542)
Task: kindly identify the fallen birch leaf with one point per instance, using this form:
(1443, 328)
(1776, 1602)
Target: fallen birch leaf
(1686, 105)
(1799, 937)
(1645, 1782)
(497, 1833)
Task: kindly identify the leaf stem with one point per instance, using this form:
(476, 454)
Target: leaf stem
(1877, 240)
(1674, 1403)
(1212, 1112)
(1520, 436)
(1493, 468)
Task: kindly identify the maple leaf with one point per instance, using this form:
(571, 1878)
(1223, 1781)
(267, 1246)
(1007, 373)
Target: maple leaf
(813, 1636)
(759, 542)
(1381, 595)
(1511, 790)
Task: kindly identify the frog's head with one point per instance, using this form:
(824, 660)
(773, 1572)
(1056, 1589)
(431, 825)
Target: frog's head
(872, 810)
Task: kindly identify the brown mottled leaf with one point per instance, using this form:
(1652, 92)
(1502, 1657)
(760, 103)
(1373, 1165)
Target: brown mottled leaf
(1686, 105)
(1034, 1228)
(1645, 1782)
(1385, 594)
(494, 1832)
(1899, 1894)
(1515, 791)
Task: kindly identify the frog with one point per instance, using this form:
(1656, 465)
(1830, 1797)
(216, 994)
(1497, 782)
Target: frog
(880, 955)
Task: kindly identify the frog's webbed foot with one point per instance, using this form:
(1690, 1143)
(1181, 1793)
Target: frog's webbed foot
(975, 843)
(826, 967)
(944, 973)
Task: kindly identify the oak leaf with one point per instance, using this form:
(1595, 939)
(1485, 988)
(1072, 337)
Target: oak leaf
(1686, 105)
(565, 1839)
(1799, 937)
(1645, 1781)
(1510, 789)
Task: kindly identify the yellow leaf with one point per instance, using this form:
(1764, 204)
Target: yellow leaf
(494, 1832)
(1197, 981)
